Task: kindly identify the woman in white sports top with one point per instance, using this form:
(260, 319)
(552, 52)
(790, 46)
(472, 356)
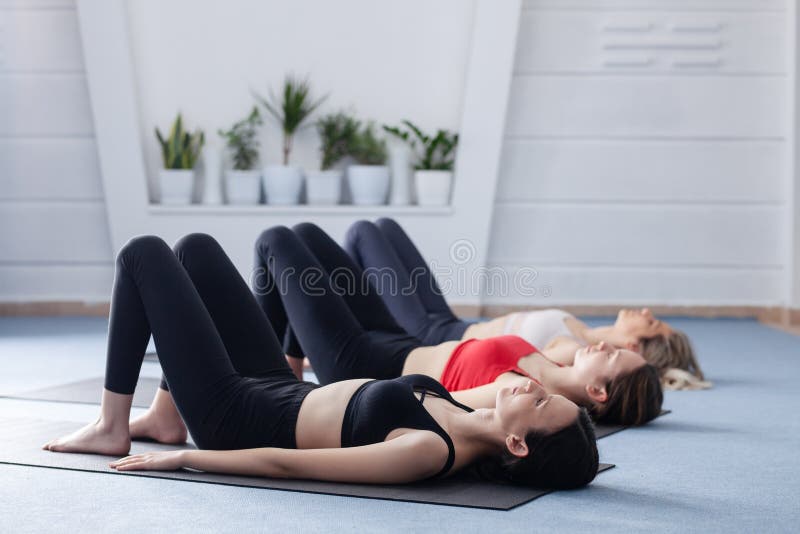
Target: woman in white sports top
(424, 313)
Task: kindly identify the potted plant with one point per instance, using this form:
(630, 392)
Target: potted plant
(179, 153)
(283, 183)
(336, 131)
(369, 177)
(433, 176)
(243, 181)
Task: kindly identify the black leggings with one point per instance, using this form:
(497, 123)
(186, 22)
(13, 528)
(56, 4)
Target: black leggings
(423, 312)
(318, 300)
(225, 367)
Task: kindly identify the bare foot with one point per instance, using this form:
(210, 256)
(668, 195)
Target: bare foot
(97, 438)
(161, 426)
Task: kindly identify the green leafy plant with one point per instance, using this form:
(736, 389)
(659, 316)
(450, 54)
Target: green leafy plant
(241, 141)
(291, 109)
(437, 152)
(367, 148)
(181, 149)
(337, 131)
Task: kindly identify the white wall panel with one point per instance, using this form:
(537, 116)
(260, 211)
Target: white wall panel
(44, 105)
(54, 243)
(652, 41)
(649, 171)
(54, 232)
(50, 169)
(646, 106)
(585, 285)
(39, 40)
(26, 283)
(631, 235)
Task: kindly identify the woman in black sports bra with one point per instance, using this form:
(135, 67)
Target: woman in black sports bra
(249, 414)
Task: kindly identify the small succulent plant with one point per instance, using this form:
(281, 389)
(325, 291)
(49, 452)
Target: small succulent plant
(242, 142)
(290, 109)
(336, 131)
(367, 148)
(437, 151)
(181, 149)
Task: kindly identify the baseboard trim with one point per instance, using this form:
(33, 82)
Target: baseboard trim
(786, 317)
(54, 308)
(765, 314)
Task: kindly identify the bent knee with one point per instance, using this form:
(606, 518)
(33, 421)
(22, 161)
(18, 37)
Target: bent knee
(194, 242)
(143, 246)
(360, 230)
(386, 223)
(307, 228)
(275, 237)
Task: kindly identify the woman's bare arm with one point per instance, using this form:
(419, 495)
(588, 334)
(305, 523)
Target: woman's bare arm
(407, 458)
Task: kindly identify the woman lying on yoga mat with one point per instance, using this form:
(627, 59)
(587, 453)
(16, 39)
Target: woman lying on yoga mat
(348, 332)
(236, 394)
(425, 314)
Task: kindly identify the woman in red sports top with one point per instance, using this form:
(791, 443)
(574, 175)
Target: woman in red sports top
(476, 369)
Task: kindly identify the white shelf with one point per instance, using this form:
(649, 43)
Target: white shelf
(300, 209)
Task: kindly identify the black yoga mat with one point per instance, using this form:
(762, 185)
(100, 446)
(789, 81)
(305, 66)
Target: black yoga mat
(24, 438)
(89, 392)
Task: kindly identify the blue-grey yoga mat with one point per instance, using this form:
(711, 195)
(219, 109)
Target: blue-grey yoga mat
(24, 438)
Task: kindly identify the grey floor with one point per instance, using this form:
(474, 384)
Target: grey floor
(724, 460)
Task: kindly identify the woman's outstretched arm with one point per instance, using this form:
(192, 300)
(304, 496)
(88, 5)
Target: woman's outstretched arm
(407, 458)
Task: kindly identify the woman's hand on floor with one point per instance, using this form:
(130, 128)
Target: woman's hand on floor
(150, 461)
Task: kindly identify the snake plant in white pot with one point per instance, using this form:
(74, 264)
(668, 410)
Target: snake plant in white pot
(283, 183)
(179, 153)
(243, 180)
(336, 132)
(435, 157)
(369, 177)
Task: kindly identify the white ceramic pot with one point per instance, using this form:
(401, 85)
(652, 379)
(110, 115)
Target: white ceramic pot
(177, 185)
(433, 187)
(282, 184)
(369, 184)
(324, 187)
(400, 164)
(243, 187)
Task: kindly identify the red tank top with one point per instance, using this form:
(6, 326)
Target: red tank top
(476, 362)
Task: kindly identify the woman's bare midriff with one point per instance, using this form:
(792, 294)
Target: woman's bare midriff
(429, 361)
(319, 422)
(495, 327)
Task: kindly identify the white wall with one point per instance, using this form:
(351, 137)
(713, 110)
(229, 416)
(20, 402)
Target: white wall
(54, 240)
(647, 150)
(384, 60)
(647, 154)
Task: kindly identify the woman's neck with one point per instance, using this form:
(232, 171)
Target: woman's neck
(560, 381)
(478, 433)
(606, 333)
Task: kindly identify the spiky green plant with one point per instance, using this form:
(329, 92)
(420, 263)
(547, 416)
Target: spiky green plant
(181, 149)
(437, 152)
(367, 148)
(336, 131)
(291, 109)
(241, 141)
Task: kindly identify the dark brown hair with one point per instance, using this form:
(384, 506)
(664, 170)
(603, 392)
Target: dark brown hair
(565, 459)
(672, 351)
(633, 399)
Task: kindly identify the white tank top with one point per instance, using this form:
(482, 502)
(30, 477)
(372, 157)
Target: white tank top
(540, 327)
